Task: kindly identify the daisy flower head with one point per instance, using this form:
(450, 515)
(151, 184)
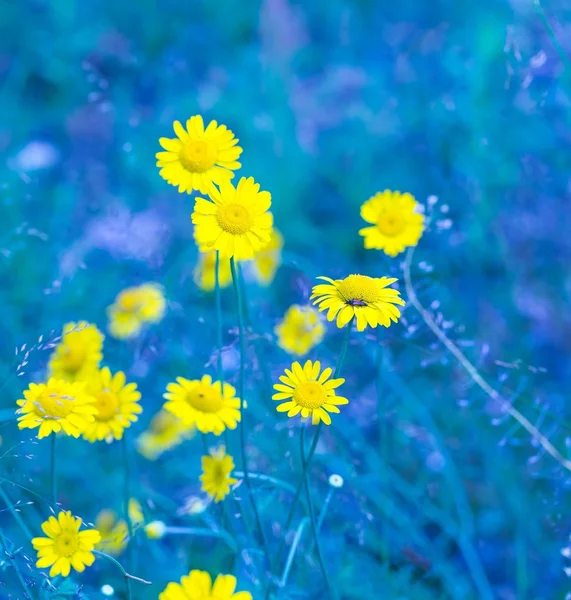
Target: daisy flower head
(309, 391)
(268, 259)
(396, 222)
(55, 406)
(199, 403)
(65, 546)
(116, 403)
(133, 308)
(113, 531)
(216, 474)
(300, 330)
(367, 299)
(197, 585)
(198, 157)
(205, 272)
(78, 353)
(236, 222)
(165, 432)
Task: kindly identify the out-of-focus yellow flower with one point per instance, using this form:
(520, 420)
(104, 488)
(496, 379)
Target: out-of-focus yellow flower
(136, 516)
(308, 392)
(268, 259)
(198, 158)
(79, 352)
(300, 330)
(54, 406)
(205, 271)
(66, 546)
(198, 585)
(236, 222)
(114, 533)
(117, 404)
(368, 299)
(216, 474)
(395, 221)
(165, 432)
(199, 403)
(133, 308)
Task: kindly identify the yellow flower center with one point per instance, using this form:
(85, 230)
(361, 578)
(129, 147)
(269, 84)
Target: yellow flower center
(391, 224)
(218, 474)
(198, 156)
(205, 399)
(107, 405)
(73, 356)
(310, 394)
(129, 302)
(66, 543)
(234, 218)
(359, 290)
(52, 405)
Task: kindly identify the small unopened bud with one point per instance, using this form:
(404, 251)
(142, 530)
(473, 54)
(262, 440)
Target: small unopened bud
(155, 530)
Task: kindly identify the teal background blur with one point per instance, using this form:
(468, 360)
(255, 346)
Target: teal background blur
(467, 106)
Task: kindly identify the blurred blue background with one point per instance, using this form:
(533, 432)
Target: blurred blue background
(464, 104)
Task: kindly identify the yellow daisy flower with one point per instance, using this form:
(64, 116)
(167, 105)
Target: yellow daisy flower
(78, 353)
(396, 222)
(197, 585)
(368, 299)
(66, 546)
(117, 404)
(114, 533)
(198, 157)
(54, 406)
(199, 403)
(308, 392)
(205, 271)
(216, 470)
(165, 432)
(300, 330)
(269, 258)
(236, 222)
(133, 308)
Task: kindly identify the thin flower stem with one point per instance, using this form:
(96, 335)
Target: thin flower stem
(236, 282)
(14, 513)
(383, 447)
(312, 516)
(12, 561)
(312, 449)
(204, 444)
(203, 532)
(292, 551)
(126, 576)
(533, 431)
(53, 476)
(551, 33)
(219, 330)
(126, 491)
(267, 479)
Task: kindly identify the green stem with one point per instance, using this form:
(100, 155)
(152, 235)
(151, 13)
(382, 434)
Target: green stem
(383, 447)
(126, 576)
(53, 476)
(126, 491)
(12, 561)
(14, 513)
(551, 33)
(219, 330)
(312, 516)
(312, 448)
(236, 282)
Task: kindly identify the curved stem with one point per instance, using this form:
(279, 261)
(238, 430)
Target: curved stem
(312, 449)
(383, 446)
(219, 340)
(126, 491)
(236, 282)
(53, 476)
(474, 373)
(126, 576)
(14, 513)
(312, 516)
